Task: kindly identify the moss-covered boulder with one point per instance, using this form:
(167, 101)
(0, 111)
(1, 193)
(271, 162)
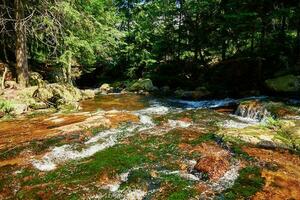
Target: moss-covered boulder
(286, 84)
(106, 88)
(35, 79)
(142, 84)
(58, 95)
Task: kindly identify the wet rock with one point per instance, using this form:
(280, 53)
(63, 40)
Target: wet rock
(105, 89)
(252, 109)
(215, 161)
(35, 79)
(58, 95)
(11, 85)
(288, 83)
(142, 84)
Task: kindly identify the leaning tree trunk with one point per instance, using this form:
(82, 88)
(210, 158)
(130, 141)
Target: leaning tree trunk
(21, 45)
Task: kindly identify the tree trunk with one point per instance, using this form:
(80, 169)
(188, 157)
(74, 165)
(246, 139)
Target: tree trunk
(21, 45)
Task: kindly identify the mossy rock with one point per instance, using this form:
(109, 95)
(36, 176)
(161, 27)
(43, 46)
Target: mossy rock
(58, 95)
(142, 84)
(288, 83)
(35, 79)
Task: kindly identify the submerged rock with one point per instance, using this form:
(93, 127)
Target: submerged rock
(252, 109)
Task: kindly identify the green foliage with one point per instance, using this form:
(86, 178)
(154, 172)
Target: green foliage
(180, 188)
(6, 106)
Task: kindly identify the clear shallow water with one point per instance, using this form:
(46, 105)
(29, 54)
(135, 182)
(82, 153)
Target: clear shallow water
(150, 108)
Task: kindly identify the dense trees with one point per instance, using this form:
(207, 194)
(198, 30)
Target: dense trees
(135, 38)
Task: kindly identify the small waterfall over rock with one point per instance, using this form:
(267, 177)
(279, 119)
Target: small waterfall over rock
(253, 109)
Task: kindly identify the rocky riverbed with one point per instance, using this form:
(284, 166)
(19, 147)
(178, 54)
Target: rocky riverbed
(137, 147)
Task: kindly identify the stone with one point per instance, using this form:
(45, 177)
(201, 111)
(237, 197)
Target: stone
(105, 89)
(19, 108)
(11, 85)
(142, 84)
(58, 95)
(215, 161)
(35, 79)
(253, 109)
(288, 83)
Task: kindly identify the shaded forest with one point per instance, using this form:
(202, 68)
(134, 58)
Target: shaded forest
(217, 44)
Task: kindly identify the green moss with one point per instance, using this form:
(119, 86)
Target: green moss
(204, 138)
(34, 146)
(181, 189)
(288, 83)
(247, 184)
(137, 178)
(120, 158)
(6, 106)
(238, 151)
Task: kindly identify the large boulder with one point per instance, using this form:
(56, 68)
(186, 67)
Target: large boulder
(35, 79)
(284, 84)
(142, 84)
(58, 95)
(105, 89)
(214, 161)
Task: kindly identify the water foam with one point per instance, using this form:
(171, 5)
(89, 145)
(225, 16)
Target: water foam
(205, 103)
(66, 152)
(239, 122)
(99, 142)
(179, 124)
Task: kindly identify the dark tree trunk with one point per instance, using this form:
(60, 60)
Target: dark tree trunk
(21, 45)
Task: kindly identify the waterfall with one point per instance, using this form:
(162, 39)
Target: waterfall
(252, 110)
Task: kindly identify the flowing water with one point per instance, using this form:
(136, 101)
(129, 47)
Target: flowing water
(137, 147)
